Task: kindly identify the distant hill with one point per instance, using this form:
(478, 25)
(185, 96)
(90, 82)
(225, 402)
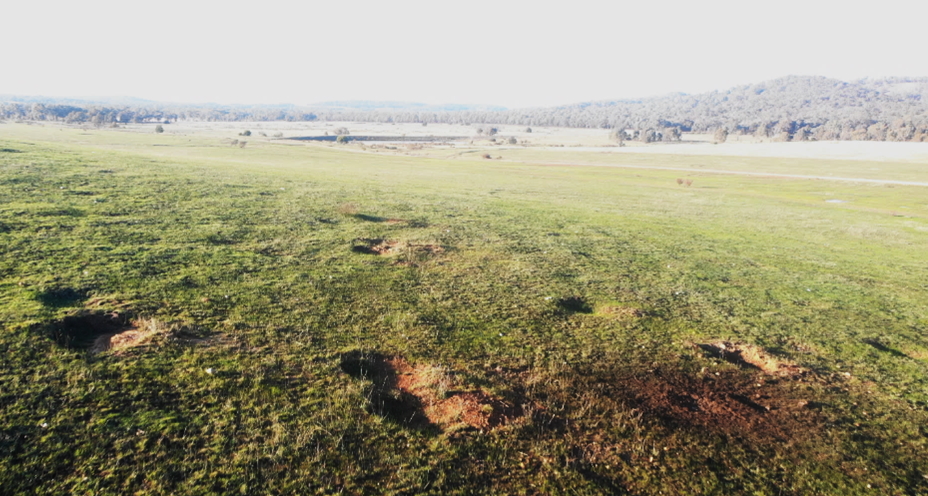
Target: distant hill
(789, 108)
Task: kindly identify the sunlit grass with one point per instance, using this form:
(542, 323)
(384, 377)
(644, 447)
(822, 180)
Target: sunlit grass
(245, 256)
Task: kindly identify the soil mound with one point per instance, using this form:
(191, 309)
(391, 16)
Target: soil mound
(750, 357)
(427, 395)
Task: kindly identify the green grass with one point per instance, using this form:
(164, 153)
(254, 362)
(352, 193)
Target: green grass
(246, 254)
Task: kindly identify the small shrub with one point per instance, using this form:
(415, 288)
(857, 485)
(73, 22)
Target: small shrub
(679, 181)
(528, 130)
(245, 133)
(341, 139)
(278, 135)
(342, 131)
(159, 128)
(513, 140)
(487, 156)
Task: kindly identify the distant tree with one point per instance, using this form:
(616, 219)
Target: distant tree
(528, 130)
(721, 134)
(341, 139)
(618, 135)
(341, 131)
(245, 133)
(513, 140)
(492, 131)
(278, 135)
(647, 136)
(425, 124)
(761, 131)
(671, 134)
(159, 129)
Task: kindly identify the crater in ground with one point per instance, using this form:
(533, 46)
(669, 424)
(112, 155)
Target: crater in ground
(427, 395)
(99, 331)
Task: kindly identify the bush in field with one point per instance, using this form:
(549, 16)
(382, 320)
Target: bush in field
(721, 134)
(528, 130)
(159, 128)
(278, 135)
(341, 139)
(342, 131)
(513, 140)
(245, 133)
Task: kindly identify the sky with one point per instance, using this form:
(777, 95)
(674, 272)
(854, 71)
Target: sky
(509, 53)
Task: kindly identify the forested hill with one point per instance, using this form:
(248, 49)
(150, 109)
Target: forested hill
(790, 108)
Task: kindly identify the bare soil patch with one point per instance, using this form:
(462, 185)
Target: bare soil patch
(750, 357)
(427, 395)
(731, 403)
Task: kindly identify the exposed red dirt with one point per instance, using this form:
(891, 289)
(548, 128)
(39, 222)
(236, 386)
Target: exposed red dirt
(448, 408)
(730, 402)
(424, 395)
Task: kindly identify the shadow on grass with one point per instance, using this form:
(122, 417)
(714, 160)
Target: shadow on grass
(60, 297)
(574, 304)
(885, 349)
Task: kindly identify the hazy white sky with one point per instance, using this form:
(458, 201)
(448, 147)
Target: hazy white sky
(500, 52)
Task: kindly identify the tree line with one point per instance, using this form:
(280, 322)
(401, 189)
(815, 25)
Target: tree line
(793, 108)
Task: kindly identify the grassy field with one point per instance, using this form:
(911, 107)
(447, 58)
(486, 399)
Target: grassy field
(311, 314)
